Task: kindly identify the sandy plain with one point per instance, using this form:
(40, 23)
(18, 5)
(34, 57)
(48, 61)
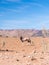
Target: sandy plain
(15, 52)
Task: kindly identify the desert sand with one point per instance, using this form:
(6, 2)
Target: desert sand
(15, 52)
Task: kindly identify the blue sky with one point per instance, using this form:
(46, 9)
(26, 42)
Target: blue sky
(24, 14)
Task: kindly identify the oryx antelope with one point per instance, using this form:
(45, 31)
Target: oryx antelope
(25, 39)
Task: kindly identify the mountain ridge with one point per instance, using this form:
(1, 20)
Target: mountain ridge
(22, 32)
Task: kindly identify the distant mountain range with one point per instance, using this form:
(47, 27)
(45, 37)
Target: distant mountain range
(22, 32)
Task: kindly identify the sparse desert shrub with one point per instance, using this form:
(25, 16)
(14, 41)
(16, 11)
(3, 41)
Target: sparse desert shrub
(0, 35)
(23, 50)
(14, 36)
(6, 36)
(6, 49)
(32, 43)
(35, 51)
(17, 60)
(33, 58)
(44, 45)
(24, 56)
(42, 52)
(41, 58)
(3, 43)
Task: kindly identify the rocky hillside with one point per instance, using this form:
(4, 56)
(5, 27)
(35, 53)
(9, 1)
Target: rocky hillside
(21, 32)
